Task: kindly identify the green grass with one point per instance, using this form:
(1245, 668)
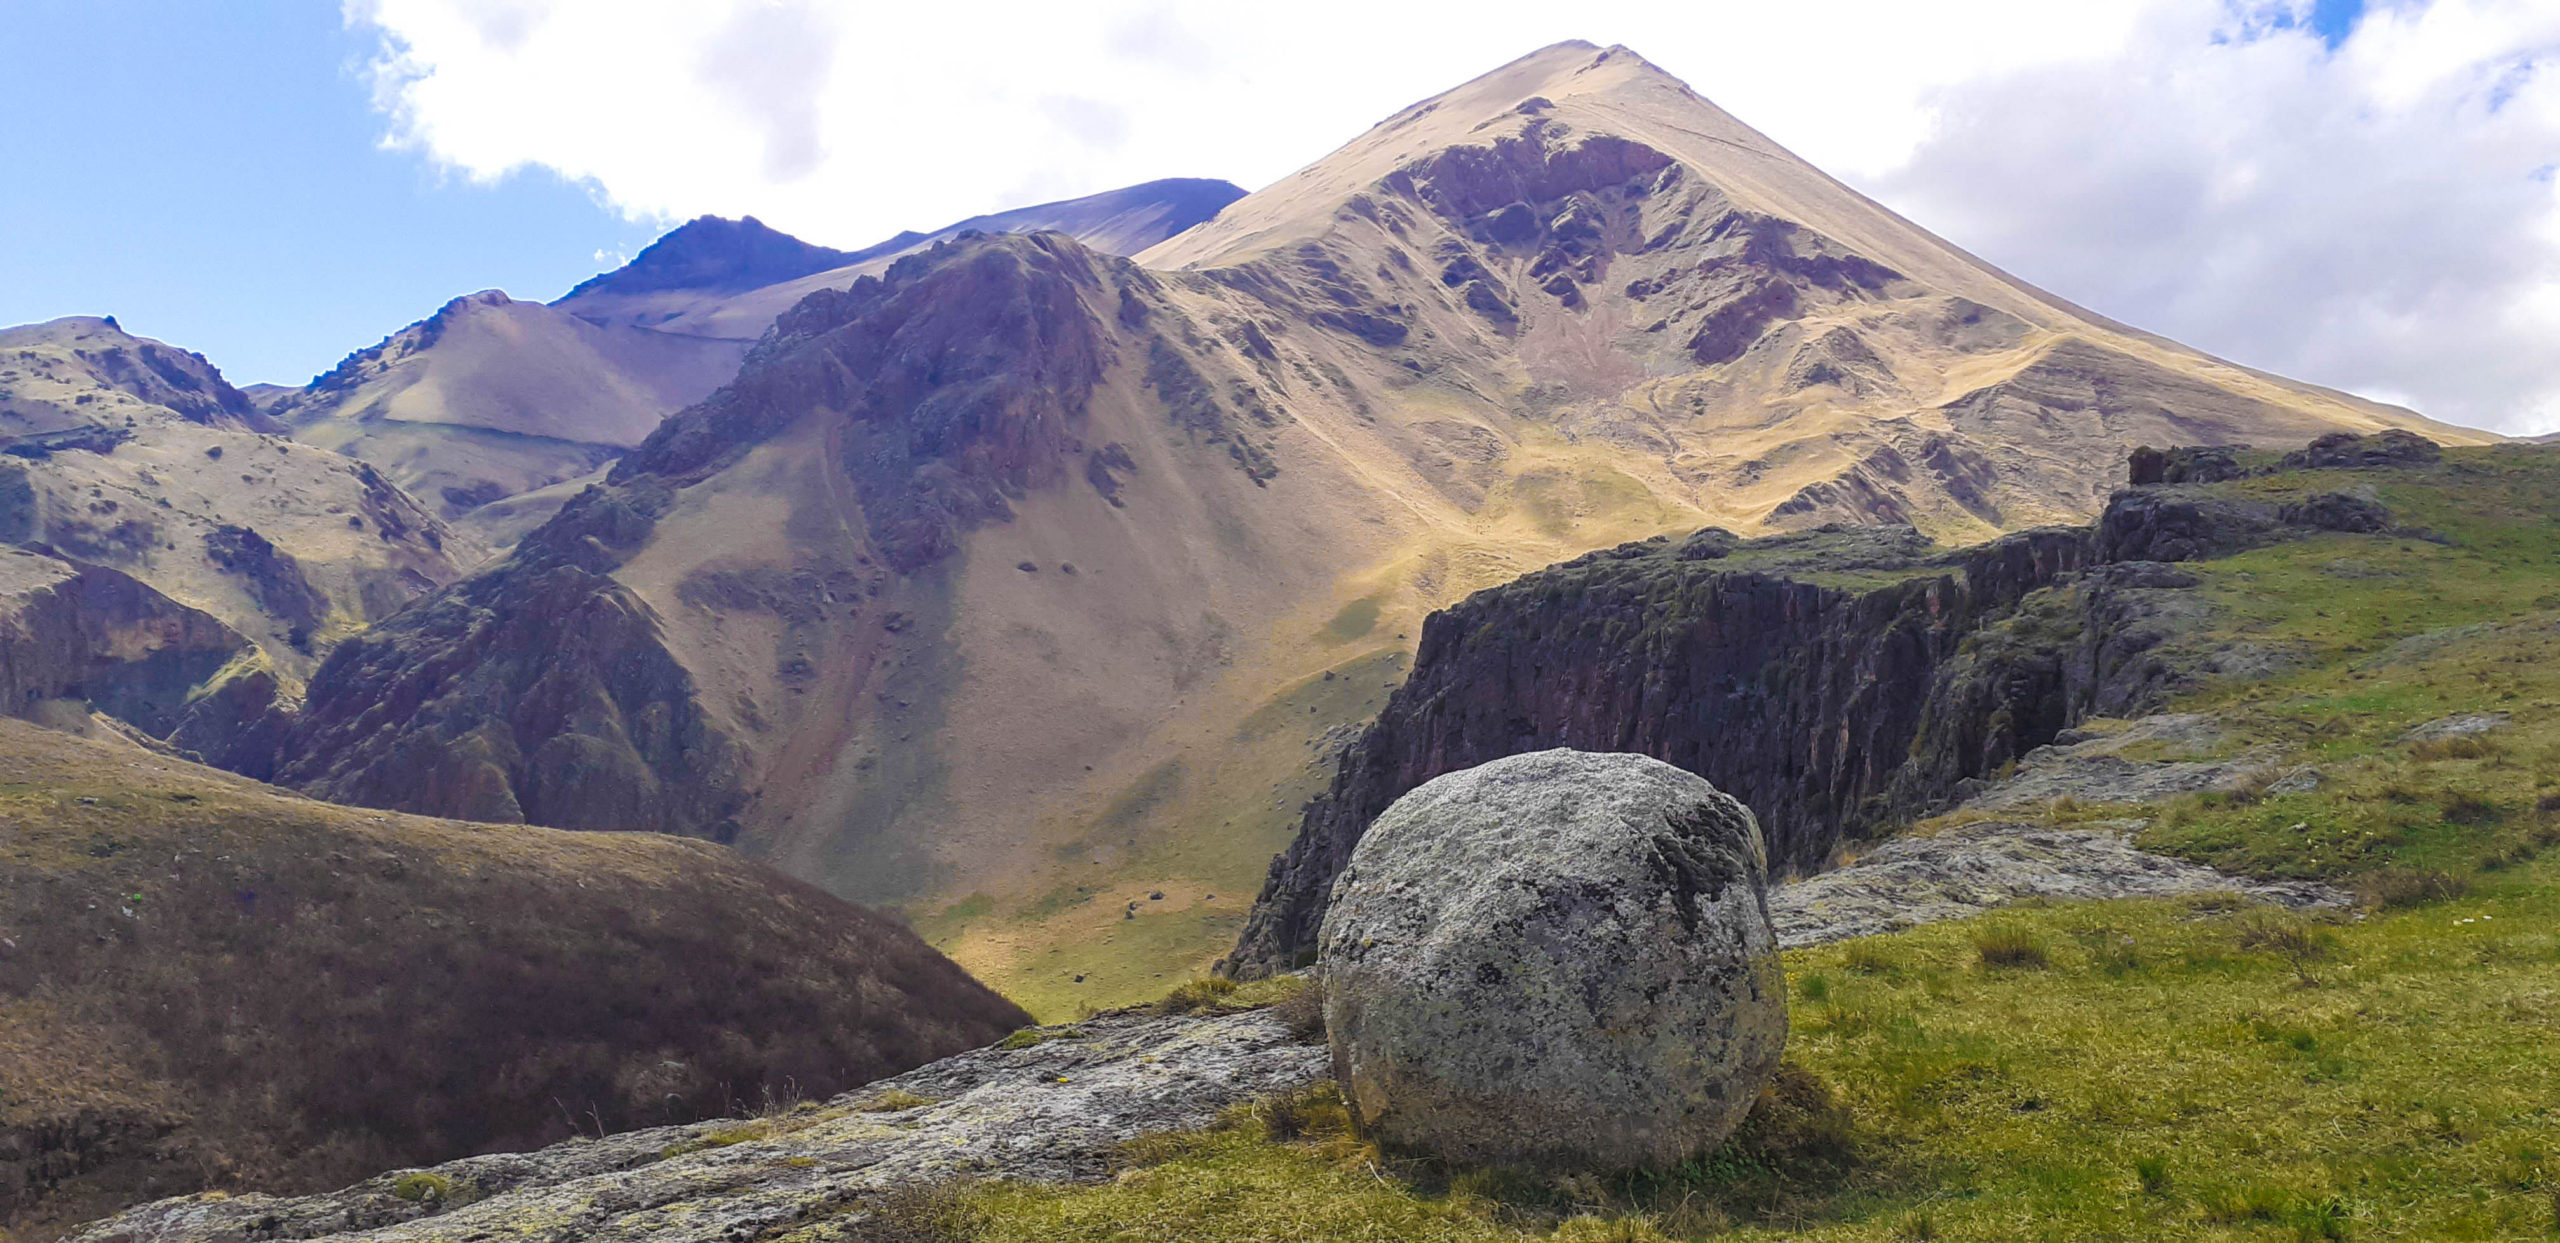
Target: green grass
(1030, 1037)
(1355, 621)
(422, 1186)
(1211, 832)
(2175, 1070)
(2379, 634)
(2206, 1069)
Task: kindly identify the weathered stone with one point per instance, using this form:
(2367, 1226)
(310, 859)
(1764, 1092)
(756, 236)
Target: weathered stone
(1052, 1110)
(2338, 511)
(2302, 780)
(1804, 700)
(2459, 725)
(2090, 766)
(1558, 960)
(2348, 450)
(1979, 867)
(2183, 524)
(2199, 464)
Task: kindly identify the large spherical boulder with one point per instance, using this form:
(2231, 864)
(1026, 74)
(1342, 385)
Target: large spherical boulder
(1558, 960)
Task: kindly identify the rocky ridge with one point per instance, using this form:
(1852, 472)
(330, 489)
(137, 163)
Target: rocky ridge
(546, 690)
(1053, 1108)
(725, 279)
(1841, 682)
(137, 471)
(491, 398)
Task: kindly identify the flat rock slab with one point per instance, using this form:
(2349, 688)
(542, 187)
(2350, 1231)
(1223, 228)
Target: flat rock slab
(2459, 725)
(1049, 1112)
(1966, 871)
(2091, 767)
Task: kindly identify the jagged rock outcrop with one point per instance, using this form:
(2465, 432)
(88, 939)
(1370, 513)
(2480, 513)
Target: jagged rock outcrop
(51, 373)
(2394, 447)
(79, 639)
(2185, 464)
(545, 690)
(1736, 661)
(1838, 683)
(157, 469)
(2189, 523)
(539, 695)
(1558, 960)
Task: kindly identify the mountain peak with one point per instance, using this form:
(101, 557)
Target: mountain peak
(108, 357)
(716, 253)
(1121, 222)
(1556, 98)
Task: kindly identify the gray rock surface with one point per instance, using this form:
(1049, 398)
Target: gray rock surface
(2459, 725)
(1558, 960)
(1051, 1111)
(2087, 766)
(1977, 867)
(2302, 780)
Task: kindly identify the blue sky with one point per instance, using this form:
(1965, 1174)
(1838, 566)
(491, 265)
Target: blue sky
(212, 174)
(2353, 192)
(2335, 18)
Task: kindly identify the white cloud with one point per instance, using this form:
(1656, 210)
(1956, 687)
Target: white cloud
(2365, 216)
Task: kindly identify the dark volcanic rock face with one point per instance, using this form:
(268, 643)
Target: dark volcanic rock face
(2348, 450)
(1832, 710)
(2182, 524)
(2207, 464)
(544, 690)
(539, 693)
(91, 637)
(959, 373)
(1801, 699)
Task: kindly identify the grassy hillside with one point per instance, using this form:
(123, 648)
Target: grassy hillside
(205, 982)
(2196, 1069)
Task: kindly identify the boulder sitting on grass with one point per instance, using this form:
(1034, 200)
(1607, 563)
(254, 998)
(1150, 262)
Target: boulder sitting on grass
(1559, 960)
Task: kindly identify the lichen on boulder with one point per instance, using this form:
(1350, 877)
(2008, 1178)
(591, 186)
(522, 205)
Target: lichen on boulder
(1559, 960)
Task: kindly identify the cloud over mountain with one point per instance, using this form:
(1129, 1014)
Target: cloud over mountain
(2358, 195)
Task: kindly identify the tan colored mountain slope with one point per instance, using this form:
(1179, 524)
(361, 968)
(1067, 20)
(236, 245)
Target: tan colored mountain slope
(127, 454)
(490, 398)
(1033, 588)
(496, 411)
